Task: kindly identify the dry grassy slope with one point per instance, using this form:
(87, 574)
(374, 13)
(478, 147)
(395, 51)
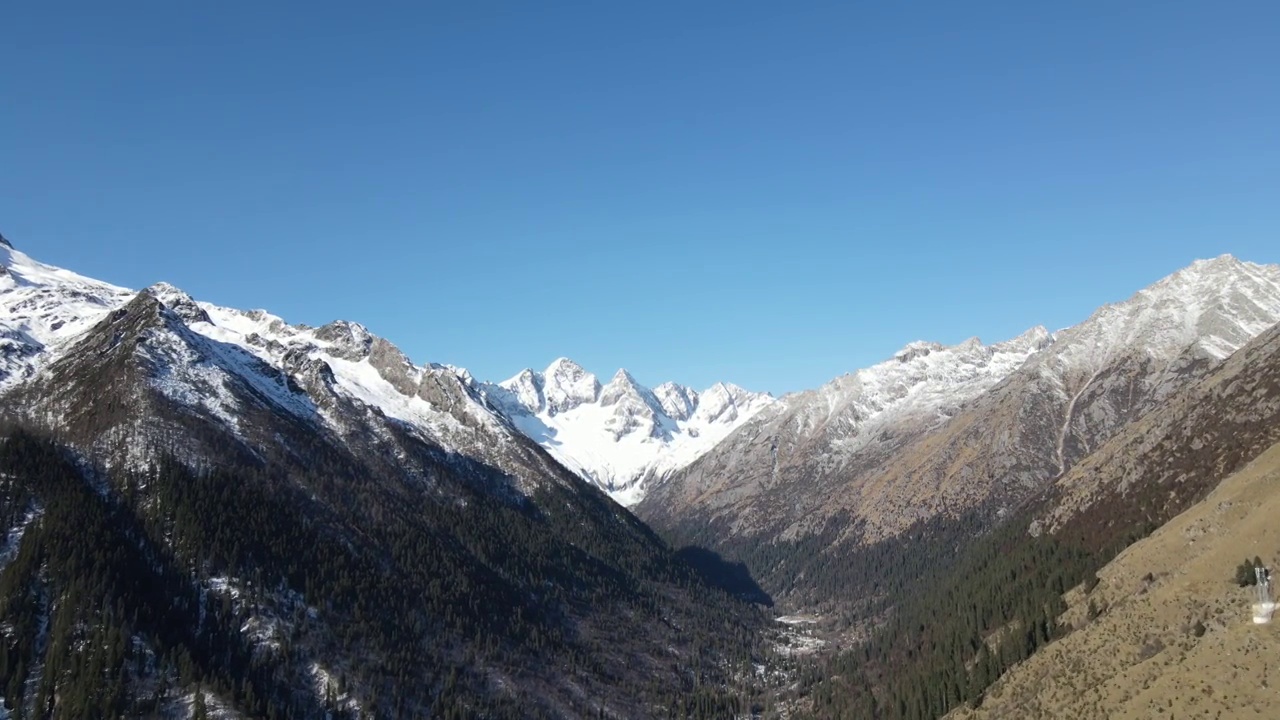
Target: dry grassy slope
(1140, 657)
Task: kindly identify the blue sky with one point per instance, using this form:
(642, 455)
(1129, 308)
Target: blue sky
(766, 193)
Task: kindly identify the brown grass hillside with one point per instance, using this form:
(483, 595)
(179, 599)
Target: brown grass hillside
(1141, 656)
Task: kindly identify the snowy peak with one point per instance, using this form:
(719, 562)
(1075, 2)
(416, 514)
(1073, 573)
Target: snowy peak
(5, 242)
(1225, 262)
(348, 340)
(1209, 309)
(725, 403)
(243, 369)
(621, 435)
(937, 429)
(1206, 281)
(566, 385)
(624, 388)
(917, 349)
(919, 387)
(635, 409)
(563, 386)
(1037, 338)
(678, 401)
(526, 391)
(182, 304)
(42, 308)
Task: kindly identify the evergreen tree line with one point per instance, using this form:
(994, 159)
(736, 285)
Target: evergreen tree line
(108, 597)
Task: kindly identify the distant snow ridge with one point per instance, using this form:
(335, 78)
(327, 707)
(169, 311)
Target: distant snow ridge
(621, 435)
(217, 359)
(922, 385)
(1210, 308)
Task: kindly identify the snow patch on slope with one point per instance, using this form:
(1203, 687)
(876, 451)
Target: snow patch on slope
(13, 538)
(44, 308)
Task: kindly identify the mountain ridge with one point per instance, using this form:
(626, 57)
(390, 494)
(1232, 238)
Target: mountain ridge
(296, 519)
(621, 435)
(916, 438)
(50, 307)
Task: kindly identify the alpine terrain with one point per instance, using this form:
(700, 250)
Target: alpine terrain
(210, 512)
(1166, 626)
(957, 435)
(1064, 609)
(213, 512)
(622, 436)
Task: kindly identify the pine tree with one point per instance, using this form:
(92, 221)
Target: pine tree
(199, 710)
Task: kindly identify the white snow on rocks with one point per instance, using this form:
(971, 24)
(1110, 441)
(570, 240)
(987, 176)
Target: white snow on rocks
(621, 436)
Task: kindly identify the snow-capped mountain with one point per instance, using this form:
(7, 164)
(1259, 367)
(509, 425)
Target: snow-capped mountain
(276, 512)
(44, 308)
(223, 362)
(936, 431)
(217, 359)
(622, 435)
(923, 384)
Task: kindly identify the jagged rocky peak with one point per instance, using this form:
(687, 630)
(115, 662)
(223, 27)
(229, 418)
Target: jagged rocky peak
(623, 386)
(182, 304)
(622, 435)
(634, 406)
(393, 365)
(1030, 340)
(678, 401)
(348, 340)
(919, 348)
(1225, 261)
(271, 322)
(5, 242)
(1037, 338)
(1213, 278)
(314, 372)
(566, 385)
(129, 323)
(144, 303)
(720, 402)
(526, 389)
(1208, 309)
(464, 374)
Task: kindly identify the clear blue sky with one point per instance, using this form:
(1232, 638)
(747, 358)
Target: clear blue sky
(767, 193)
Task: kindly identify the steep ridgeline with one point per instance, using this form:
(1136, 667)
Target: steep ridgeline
(945, 433)
(44, 309)
(1017, 597)
(1165, 626)
(622, 436)
(212, 510)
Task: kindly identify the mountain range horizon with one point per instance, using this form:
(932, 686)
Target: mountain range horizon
(625, 437)
(265, 469)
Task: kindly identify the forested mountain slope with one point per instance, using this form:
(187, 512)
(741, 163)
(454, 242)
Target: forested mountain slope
(209, 510)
